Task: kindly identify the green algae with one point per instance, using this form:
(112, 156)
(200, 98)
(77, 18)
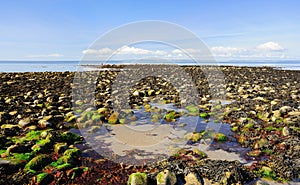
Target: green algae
(204, 115)
(139, 178)
(37, 163)
(220, 137)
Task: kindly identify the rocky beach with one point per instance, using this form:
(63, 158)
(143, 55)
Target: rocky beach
(42, 114)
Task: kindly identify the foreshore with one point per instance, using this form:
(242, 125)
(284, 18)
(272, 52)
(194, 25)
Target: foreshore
(39, 110)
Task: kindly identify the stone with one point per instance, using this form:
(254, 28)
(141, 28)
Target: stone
(44, 124)
(294, 113)
(43, 178)
(137, 179)
(4, 117)
(285, 131)
(9, 129)
(37, 163)
(60, 148)
(193, 179)
(166, 177)
(285, 109)
(220, 137)
(135, 93)
(113, 118)
(24, 122)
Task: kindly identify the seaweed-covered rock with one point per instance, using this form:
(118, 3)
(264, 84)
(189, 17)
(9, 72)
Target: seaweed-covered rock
(137, 179)
(166, 177)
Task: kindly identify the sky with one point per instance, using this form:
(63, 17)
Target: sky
(232, 30)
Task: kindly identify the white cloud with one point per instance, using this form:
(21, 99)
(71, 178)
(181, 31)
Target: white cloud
(270, 46)
(53, 55)
(262, 51)
(125, 50)
(103, 51)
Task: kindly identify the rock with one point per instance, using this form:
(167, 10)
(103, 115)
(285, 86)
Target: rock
(44, 124)
(24, 122)
(254, 153)
(4, 117)
(135, 93)
(37, 163)
(17, 148)
(95, 128)
(42, 145)
(294, 113)
(76, 172)
(166, 177)
(199, 153)
(193, 179)
(113, 118)
(43, 178)
(8, 166)
(71, 155)
(220, 137)
(9, 129)
(137, 179)
(285, 131)
(204, 115)
(60, 147)
(261, 182)
(285, 109)
(151, 92)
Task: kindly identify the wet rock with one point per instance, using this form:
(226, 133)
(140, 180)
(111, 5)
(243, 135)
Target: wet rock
(4, 117)
(9, 129)
(113, 119)
(18, 148)
(8, 166)
(137, 179)
(24, 122)
(220, 137)
(44, 124)
(60, 147)
(193, 179)
(285, 131)
(166, 177)
(37, 163)
(43, 178)
(285, 109)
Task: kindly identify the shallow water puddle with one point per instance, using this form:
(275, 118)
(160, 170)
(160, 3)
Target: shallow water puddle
(148, 139)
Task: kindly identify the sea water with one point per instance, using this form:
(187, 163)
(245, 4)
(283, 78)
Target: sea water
(58, 66)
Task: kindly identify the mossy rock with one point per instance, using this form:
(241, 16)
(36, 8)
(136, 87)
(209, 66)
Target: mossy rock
(192, 108)
(220, 137)
(42, 146)
(249, 125)
(204, 115)
(71, 155)
(166, 177)
(113, 118)
(199, 153)
(70, 137)
(194, 137)
(10, 129)
(76, 172)
(44, 178)
(268, 173)
(38, 163)
(234, 129)
(137, 178)
(60, 147)
(64, 166)
(170, 117)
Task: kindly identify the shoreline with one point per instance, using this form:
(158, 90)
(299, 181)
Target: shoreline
(265, 114)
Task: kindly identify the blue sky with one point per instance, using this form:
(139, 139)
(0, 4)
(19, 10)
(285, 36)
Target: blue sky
(233, 30)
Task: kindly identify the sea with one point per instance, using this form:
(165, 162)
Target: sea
(59, 66)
